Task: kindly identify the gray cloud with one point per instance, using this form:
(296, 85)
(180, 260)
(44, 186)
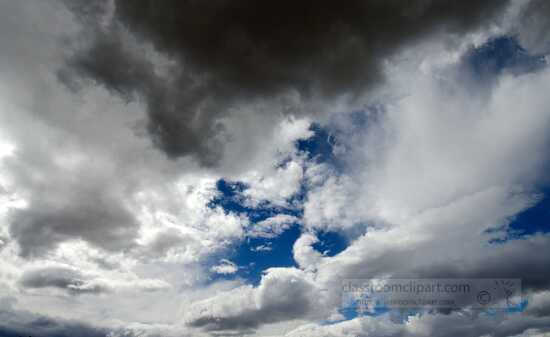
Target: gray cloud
(95, 217)
(284, 294)
(164, 241)
(68, 203)
(72, 281)
(226, 52)
(521, 259)
(524, 259)
(63, 166)
(464, 323)
(534, 25)
(539, 305)
(17, 323)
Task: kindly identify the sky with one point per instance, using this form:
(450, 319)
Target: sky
(218, 168)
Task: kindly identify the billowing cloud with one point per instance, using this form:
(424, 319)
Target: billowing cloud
(283, 294)
(99, 221)
(181, 168)
(209, 58)
(433, 185)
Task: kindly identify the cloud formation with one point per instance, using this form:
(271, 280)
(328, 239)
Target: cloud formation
(151, 153)
(283, 294)
(208, 58)
(15, 323)
(95, 219)
(63, 278)
(433, 183)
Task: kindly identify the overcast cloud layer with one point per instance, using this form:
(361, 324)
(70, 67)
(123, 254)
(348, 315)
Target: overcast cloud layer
(190, 168)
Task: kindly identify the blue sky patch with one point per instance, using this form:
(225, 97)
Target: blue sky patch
(255, 255)
(255, 261)
(231, 199)
(318, 147)
(330, 243)
(532, 220)
(501, 54)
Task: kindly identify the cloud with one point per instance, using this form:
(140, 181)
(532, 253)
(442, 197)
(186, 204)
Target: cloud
(427, 180)
(539, 304)
(472, 163)
(225, 267)
(456, 324)
(75, 282)
(304, 253)
(283, 294)
(438, 142)
(166, 241)
(66, 279)
(272, 226)
(91, 216)
(15, 323)
(262, 248)
(438, 171)
(432, 180)
(223, 53)
(532, 26)
(277, 187)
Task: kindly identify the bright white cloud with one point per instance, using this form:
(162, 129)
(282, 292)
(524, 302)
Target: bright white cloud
(225, 267)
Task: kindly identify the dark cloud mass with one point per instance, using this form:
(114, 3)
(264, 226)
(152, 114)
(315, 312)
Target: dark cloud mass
(228, 52)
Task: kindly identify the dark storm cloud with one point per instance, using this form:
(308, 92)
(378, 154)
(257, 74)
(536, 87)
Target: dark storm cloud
(65, 279)
(227, 52)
